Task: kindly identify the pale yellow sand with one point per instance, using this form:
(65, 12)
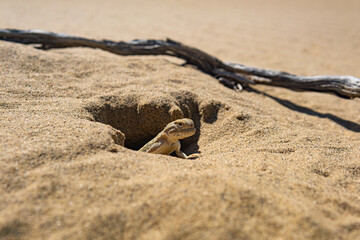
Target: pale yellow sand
(276, 164)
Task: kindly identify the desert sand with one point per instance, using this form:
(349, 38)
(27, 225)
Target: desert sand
(276, 164)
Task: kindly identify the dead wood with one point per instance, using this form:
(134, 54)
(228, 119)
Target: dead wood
(230, 74)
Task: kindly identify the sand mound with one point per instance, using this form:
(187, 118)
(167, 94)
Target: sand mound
(142, 115)
(275, 164)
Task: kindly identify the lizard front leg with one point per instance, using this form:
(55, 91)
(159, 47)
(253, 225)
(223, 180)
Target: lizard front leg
(156, 147)
(182, 154)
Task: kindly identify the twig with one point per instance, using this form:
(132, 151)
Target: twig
(230, 74)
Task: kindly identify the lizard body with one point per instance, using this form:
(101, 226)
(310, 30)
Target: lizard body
(167, 141)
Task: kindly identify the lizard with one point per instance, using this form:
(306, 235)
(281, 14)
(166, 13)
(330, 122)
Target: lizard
(167, 141)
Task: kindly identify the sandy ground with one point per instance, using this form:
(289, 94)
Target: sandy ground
(276, 164)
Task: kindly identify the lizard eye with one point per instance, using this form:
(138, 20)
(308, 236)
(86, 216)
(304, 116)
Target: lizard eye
(180, 124)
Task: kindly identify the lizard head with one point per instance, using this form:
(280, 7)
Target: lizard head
(179, 129)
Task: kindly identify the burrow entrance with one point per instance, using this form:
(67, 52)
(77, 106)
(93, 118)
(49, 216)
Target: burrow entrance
(142, 115)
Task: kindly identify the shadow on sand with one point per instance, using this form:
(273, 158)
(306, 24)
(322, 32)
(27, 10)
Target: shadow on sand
(352, 126)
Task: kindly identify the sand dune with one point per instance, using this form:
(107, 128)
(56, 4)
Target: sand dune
(276, 164)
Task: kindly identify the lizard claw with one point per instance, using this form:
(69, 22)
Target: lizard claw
(193, 156)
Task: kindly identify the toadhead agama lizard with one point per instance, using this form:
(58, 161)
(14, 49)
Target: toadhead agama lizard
(167, 141)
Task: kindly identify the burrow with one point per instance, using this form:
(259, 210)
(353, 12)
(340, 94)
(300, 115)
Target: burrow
(141, 115)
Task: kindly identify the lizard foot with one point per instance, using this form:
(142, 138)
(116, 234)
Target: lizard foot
(193, 156)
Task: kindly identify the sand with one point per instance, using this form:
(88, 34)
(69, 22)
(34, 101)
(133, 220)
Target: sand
(276, 164)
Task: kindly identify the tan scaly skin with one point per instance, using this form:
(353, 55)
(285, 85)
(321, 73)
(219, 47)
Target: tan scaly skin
(167, 141)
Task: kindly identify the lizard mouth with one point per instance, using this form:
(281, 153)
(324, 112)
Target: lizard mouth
(186, 132)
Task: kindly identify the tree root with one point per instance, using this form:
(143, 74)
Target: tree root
(232, 75)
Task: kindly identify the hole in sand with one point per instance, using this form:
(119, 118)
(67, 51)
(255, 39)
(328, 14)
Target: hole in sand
(142, 115)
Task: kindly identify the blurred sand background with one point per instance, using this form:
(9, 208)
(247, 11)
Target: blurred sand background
(276, 164)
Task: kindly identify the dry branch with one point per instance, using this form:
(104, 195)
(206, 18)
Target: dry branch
(230, 74)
